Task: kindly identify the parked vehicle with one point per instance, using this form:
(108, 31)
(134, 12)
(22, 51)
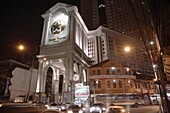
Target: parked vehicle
(116, 109)
(98, 107)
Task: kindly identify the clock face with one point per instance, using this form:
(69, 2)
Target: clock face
(57, 27)
(76, 77)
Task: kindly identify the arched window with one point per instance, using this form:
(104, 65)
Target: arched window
(108, 84)
(99, 84)
(107, 71)
(114, 83)
(120, 84)
(48, 85)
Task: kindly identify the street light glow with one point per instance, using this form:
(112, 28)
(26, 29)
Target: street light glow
(151, 42)
(21, 47)
(127, 49)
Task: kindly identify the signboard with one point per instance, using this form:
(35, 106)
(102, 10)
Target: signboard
(82, 91)
(81, 95)
(58, 27)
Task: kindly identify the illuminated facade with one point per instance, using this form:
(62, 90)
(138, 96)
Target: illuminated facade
(68, 49)
(63, 57)
(110, 78)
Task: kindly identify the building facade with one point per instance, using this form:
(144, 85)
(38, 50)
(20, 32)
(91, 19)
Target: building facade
(129, 17)
(63, 59)
(110, 78)
(6, 69)
(68, 49)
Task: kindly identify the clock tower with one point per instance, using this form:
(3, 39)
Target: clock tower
(63, 60)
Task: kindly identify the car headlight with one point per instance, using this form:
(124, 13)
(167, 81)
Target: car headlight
(92, 108)
(81, 111)
(47, 106)
(123, 111)
(0, 105)
(98, 108)
(63, 107)
(70, 111)
(104, 109)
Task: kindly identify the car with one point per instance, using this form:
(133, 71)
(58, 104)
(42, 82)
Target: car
(63, 107)
(116, 109)
(73, 108)
(52, 106)
(38, 105)
(98, 107)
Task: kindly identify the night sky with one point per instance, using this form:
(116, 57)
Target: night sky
(21, 22)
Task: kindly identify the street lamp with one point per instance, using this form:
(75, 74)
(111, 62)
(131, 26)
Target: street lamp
(147, 53)
(127, 49)
(94, 90)
(22, 48)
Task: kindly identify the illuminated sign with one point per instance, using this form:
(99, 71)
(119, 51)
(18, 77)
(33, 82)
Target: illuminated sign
(58, 28)
(82, 91)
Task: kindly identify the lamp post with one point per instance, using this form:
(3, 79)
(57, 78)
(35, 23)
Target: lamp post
(22, 48)
(126, 49)
(94, 90)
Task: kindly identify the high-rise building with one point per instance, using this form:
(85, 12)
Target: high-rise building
(129, 17)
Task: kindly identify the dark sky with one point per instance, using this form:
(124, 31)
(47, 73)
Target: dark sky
(21, 22)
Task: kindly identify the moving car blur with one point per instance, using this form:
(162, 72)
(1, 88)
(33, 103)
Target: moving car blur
(74, 109)
(116, 109)
(52, 106)
(98, 107)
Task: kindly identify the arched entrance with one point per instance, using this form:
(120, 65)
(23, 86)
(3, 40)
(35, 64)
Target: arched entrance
(48, 86)
(55, 82)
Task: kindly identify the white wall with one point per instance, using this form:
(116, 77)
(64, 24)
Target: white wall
(20, 82)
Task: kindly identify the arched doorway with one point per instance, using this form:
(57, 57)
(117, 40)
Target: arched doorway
(48, 86)
(55, 85)
(60, 89)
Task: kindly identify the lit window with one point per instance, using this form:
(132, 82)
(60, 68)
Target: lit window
(114, 83)
(101, 5)
(113, 71)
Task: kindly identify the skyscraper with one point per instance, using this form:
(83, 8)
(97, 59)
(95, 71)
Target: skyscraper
(129, 17)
